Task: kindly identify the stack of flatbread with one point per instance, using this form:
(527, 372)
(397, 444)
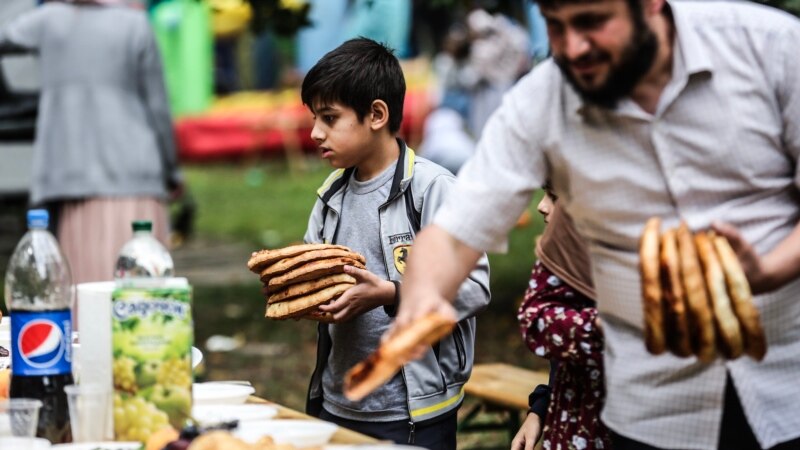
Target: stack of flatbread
(696, 297)
(299, 278)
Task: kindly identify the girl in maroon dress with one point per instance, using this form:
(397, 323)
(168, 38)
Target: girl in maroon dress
(559, 322)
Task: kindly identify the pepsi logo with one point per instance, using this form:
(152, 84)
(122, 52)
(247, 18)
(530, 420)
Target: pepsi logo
(41, 343)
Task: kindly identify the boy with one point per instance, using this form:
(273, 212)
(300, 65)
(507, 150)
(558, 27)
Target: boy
(375, 203)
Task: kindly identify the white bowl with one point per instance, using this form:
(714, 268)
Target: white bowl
(24, 443)
(211, 414)
(197, 356)
(299, 433)
(219, 393)
(107, 445)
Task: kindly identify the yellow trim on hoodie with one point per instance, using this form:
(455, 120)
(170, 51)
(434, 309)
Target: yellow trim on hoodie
(438, 406)
(410, 159)
(329, 181)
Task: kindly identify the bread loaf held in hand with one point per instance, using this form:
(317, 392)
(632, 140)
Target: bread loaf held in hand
(380, 366)
(299, 278)
(700, 302)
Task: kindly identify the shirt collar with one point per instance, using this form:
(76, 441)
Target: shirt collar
(695, 59)
(688, 56)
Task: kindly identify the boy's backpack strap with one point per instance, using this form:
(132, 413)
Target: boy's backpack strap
(321, 232)
(414, 216)
(325, 196)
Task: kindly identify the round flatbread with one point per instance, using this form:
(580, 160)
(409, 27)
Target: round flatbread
(730, 341)
(311, 271)
(294, 262)
(380, 366)
(307, 287)
(755, 343)
(263, 258)
(700, 318)
(300, 305)
(677, 326)
(652, 296)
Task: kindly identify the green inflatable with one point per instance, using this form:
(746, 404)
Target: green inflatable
(183, 31)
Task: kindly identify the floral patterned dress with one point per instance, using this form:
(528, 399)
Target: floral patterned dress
(558, 323)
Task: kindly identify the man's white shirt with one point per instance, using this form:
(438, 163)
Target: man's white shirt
(723, 144)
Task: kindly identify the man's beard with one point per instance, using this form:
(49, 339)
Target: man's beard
(636, 60)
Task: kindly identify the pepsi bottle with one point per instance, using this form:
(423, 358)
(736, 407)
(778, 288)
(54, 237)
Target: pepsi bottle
(38, 292)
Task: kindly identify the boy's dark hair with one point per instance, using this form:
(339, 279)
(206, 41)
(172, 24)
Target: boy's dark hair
(355, 74)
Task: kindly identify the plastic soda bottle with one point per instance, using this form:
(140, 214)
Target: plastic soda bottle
(38, 293)
(143, 256)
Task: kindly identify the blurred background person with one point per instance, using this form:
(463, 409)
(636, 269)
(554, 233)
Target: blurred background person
(446, 138)
(229, 20)
(480, 58)
(104, 152)
(456, 77)
(325, 33)
(499, 54)
(385, 21)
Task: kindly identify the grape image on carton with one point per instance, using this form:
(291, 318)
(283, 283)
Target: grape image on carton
(152, 335)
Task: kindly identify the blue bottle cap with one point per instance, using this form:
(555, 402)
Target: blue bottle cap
(38, 218)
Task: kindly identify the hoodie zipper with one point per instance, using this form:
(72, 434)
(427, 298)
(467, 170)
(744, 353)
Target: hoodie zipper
(458, 338)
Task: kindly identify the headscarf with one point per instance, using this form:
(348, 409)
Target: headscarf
(563, 251)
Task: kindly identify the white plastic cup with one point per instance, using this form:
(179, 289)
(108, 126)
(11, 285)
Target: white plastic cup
(76, 362)
(88, 405)
(19, 417)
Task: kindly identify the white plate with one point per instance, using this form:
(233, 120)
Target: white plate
(299, 433)
(218, 393)
(20, 443)
(108, 445)
(211, 414)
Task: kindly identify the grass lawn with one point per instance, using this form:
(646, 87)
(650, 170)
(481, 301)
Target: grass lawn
(262, 203)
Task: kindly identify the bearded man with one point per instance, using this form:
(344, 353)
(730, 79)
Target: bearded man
(680, 110)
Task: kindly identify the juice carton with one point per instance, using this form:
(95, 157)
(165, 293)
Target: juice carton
(152, 334)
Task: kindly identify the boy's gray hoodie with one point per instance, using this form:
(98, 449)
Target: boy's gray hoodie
(434, 383)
